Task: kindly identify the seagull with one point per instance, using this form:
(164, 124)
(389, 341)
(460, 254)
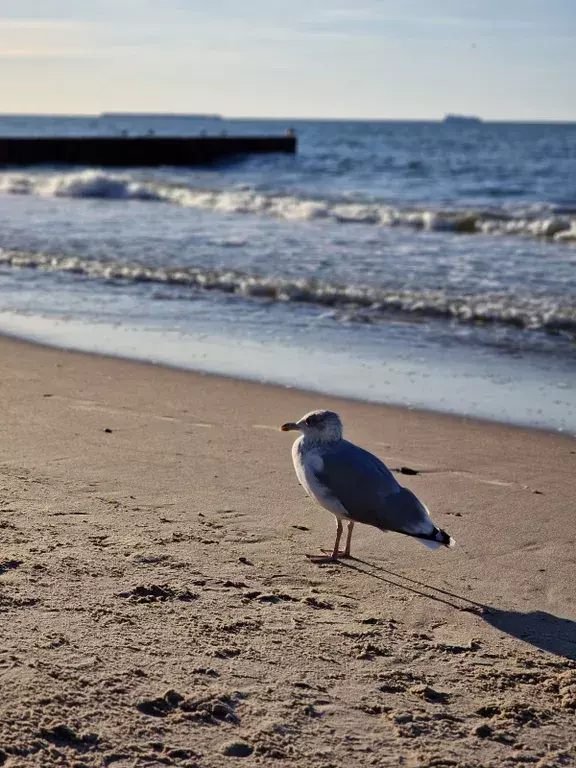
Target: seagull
(355, 485)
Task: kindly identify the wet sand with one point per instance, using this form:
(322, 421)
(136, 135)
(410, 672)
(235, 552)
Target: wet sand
(157, 606)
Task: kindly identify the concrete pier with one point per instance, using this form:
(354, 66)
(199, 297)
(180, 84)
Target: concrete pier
(138, 151)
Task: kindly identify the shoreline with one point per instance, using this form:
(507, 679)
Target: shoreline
(142, 355)
(287, 387)
(159, 607)
(279, 387)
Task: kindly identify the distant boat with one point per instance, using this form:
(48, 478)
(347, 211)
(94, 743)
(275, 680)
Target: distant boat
(156, 116)
(462, 119)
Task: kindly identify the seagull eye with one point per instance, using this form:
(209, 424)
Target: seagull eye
(311, 421)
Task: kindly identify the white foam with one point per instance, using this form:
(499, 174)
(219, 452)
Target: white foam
(567, 235)
(368, 303)
(534, 221)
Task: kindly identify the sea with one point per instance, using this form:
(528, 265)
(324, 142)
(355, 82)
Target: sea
(425, 264)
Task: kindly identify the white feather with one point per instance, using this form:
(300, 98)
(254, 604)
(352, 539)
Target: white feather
(307, 464)
(436, 544)
(429, 543)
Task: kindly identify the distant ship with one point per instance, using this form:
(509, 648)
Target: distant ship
(462, 119)
(157, 116)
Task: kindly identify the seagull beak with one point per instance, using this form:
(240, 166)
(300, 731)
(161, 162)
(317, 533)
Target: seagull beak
(289, 427)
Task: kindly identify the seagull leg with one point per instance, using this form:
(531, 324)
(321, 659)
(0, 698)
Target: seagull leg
(339, 528)
(330, 557)
(349, 538)
(336, 552)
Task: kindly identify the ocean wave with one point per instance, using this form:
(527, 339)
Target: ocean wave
(536, 222)
(362, 303)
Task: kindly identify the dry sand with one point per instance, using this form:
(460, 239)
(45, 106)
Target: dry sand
(157, 607)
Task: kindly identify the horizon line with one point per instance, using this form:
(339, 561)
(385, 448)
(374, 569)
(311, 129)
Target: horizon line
(251, 118)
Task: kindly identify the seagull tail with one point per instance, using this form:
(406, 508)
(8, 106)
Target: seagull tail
(437, 539)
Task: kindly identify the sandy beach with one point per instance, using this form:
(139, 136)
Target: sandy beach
(157, 606)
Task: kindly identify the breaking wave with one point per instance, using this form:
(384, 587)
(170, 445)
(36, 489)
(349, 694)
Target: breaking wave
(360, 302)
(538, 221)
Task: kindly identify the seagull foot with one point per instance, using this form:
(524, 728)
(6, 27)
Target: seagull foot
(323, 559)
(328, 556)
(336, 555)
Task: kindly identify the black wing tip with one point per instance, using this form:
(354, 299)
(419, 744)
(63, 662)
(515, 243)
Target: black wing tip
(445, 539)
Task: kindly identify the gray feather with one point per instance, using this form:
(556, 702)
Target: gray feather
(369, 492)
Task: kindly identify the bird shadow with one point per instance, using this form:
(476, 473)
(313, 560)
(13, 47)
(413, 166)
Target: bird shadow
(537, 628)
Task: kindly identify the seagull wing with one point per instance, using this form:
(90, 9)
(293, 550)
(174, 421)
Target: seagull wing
(356, 478)
(370, 493)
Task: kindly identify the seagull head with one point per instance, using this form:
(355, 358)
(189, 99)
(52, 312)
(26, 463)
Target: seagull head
(320, 426)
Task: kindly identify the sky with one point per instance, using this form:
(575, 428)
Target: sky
(388, 59)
